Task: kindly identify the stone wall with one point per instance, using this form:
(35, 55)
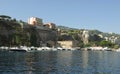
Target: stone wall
(67, 44)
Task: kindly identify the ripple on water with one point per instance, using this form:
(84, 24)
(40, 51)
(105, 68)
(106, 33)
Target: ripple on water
(60, 62)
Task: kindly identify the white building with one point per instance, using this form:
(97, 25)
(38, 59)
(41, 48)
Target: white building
(35, 21)
(85, 36)
(50, 25)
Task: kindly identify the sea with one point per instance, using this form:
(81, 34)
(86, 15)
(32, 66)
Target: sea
(60, 62)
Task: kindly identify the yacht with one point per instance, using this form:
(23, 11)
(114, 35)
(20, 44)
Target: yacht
(17, 49)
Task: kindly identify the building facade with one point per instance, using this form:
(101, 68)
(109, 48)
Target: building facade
(85, 36)
(67, 44)
(46, 33)
(35, 21)
(50, 25)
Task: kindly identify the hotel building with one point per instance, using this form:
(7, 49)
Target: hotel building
(35, 21)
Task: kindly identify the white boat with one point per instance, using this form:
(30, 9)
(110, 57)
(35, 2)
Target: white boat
(39, 48)
(33, 48)
(53, 49)
(25, 48)
(4, 47)
(59, 48)
(107, 49)
(118, 50)
(96, 48)
(46, 48)
(17, 49)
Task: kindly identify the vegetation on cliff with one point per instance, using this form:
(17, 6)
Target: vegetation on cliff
(93, 40)
(12, 33)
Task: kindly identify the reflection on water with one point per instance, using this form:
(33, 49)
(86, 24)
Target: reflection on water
(85, 59)
(64, 61)
(60, 62)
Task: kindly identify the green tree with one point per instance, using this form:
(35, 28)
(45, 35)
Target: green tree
(106, 43)
(116, 46)
(5, 17)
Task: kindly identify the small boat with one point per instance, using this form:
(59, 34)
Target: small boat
(46, 48)
(117, 50)
(17, 49)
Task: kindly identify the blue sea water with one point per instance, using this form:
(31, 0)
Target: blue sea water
(60, 62)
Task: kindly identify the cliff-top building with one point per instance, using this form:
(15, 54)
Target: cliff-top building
(50, 25)
(35, 21)
(45, 33)
(85, 36)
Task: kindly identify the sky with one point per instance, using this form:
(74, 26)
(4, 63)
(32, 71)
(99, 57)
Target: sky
(103, 15)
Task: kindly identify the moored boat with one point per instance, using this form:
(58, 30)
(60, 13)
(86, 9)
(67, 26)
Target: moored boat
(17, 49)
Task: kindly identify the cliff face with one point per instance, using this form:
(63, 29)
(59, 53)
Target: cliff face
(47, 37)
(15, 33)
(8, 28)
(44, 37)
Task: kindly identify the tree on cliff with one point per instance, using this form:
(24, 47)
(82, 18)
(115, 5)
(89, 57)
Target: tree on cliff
(33, 37)
(106, 43)
(5, 17)
(13, 34)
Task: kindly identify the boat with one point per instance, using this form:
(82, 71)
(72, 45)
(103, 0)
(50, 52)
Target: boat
(17, 49)
(117, 50)
(59, 48)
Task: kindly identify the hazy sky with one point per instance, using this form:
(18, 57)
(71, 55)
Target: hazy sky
(103, 15)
